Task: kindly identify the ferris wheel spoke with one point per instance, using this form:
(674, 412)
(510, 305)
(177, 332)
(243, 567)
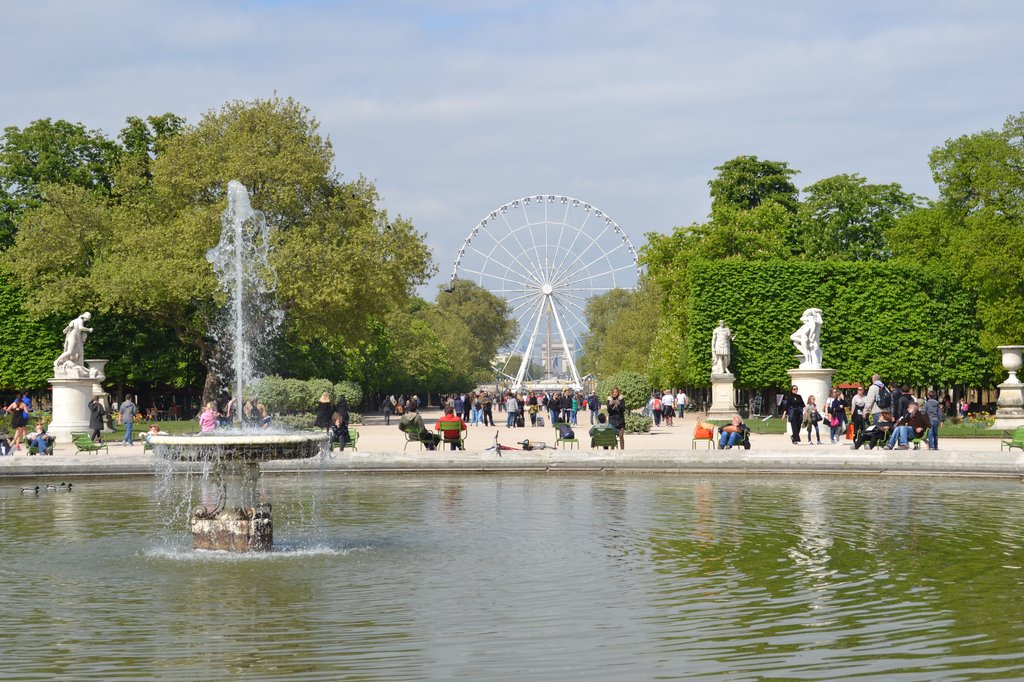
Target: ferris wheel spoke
(538, 275)
(584, 255)
(488, 257)
(525, 328)
(581, 230)
(529, 224)
(532, 300)
(498, 280)
(568, 309)
(568, 280)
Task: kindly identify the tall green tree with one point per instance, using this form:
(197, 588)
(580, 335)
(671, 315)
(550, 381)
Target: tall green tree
(49, 152)
(473, 324)
(975, 231)
(846, 217)
(340, 259)
(746, 182)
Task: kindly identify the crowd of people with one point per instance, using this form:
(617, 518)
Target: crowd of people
(890, 416)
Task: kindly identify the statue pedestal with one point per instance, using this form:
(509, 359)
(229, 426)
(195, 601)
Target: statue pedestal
(723, 397)
(71, 396)
(1010, 404)
(816, 382)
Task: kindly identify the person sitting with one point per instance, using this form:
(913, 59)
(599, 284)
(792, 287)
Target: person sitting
(338, 431)
(452, 436)
(602, 427)
(41, 441)
(732, 433)
(911, 425)
(412, 422)
(875, 433)
(154, 430)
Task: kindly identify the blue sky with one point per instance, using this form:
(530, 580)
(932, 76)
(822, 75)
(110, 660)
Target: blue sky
(456, 107)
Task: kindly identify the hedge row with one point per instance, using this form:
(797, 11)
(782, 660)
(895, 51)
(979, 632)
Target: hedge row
(909, 324)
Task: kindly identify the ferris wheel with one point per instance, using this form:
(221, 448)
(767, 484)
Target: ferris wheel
(546, 255)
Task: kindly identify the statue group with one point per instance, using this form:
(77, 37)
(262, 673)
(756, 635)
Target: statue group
(806, 339)
(71, 363)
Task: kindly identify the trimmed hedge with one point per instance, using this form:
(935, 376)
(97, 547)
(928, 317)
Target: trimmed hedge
(901, 320)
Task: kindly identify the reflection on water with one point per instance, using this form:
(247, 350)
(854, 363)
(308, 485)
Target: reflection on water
(523, 578)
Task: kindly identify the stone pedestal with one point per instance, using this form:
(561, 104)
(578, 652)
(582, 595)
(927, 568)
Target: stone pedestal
(71, 396)
(1010, 404)
(816, 382)
(723, 396)
(238, 530)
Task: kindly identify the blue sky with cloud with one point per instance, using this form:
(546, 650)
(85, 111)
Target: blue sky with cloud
(455, 107)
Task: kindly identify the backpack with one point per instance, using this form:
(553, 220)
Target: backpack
(565, 431)
(884, 399)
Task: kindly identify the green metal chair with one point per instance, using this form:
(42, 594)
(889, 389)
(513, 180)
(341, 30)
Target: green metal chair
(412, 435)
(1014, 440)
(571, 441)
(83, 443)
(451, 432)
(605, 438)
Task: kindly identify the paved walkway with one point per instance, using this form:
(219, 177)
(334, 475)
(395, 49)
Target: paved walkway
(381, 447)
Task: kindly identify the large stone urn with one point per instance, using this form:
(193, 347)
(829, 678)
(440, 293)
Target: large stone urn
(1010, 404)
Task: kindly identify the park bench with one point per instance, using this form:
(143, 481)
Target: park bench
(83, 443)
(559, 439)
(605, 438)
(1013, 440)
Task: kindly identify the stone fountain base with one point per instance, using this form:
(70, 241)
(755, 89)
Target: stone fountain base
(239, 522)
(248, 530)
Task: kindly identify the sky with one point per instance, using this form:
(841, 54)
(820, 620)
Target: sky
(456, 107)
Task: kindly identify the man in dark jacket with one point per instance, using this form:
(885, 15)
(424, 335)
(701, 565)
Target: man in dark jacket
(912, 425)
(901, 397)
(793, 407)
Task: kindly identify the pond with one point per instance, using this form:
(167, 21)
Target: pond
(522, 577)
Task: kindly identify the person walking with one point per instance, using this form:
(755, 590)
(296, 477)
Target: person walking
(126, 413)
(933, 410)
(857, 407)
(19, 420)
(512, 408)
(793, 407)
(96, 414)
(837, 416)
(487, 409)
(811, 418)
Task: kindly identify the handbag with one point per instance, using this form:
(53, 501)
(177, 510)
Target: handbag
(833, 422)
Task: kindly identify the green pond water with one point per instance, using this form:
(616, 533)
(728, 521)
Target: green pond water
(522, 577)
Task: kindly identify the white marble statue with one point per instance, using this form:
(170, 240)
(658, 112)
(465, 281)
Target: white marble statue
(807, 339)
(72, 360)
(721, 348)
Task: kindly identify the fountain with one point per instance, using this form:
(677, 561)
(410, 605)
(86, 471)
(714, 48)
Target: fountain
(238, 522)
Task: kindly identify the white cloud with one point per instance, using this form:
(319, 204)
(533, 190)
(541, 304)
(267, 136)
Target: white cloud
(455, 107)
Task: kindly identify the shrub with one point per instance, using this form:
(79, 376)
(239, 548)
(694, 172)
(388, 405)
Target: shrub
(636, 423)
(352, 391)
(633, 386)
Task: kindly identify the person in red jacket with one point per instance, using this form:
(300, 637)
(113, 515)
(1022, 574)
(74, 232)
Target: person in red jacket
(452, 436)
